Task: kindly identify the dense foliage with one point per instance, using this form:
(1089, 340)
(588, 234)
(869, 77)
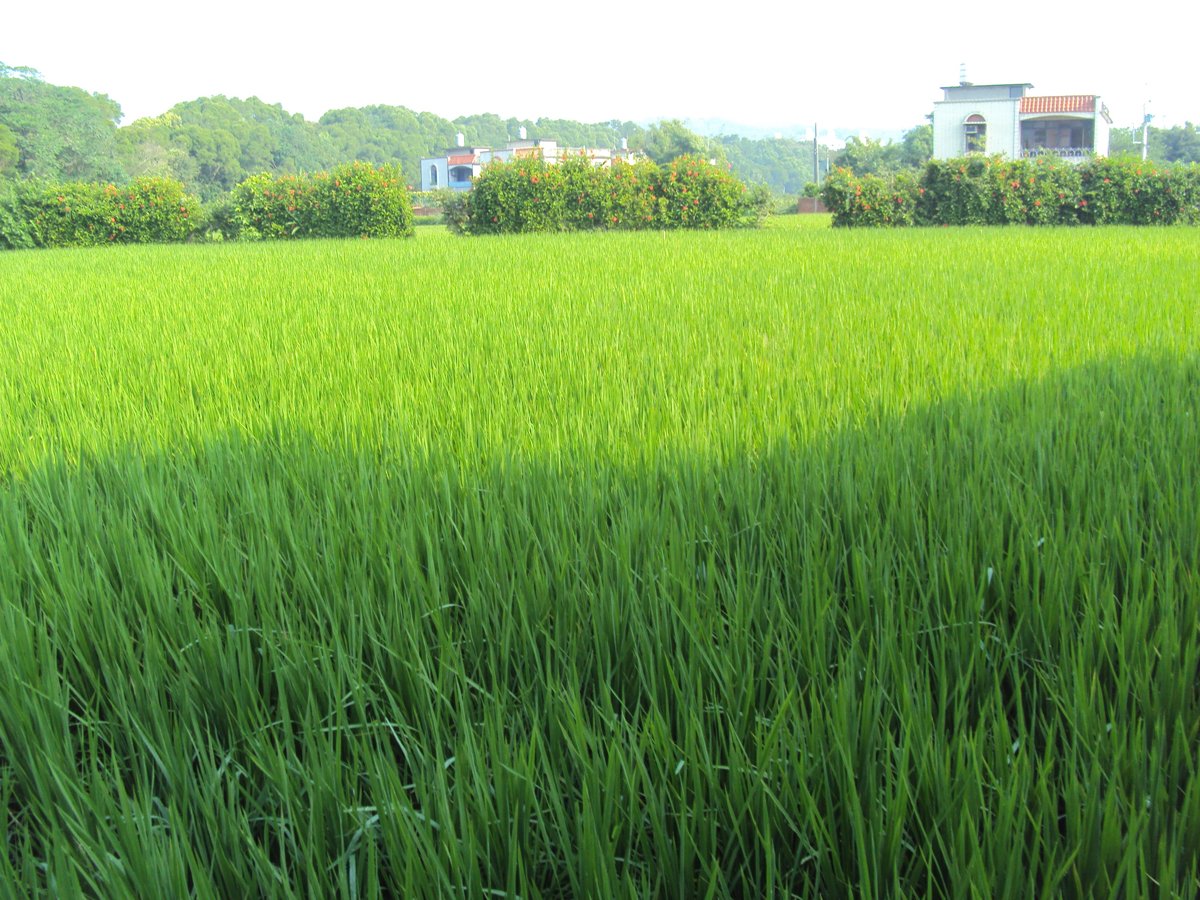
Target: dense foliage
(56, 133)
(765, 563)
(866, 156)
(353, 200)
(211, 144)
(982, 190)
(1176, 144)
(80, 214)
(529, 195)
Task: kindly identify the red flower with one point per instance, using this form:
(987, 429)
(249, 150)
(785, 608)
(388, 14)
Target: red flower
(1083, 203)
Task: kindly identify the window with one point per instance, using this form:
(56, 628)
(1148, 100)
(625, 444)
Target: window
(975, 134)
(460, 174)
(433, 176)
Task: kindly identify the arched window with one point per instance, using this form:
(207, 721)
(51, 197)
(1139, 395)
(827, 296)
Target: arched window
(433, 176)
(975, 134)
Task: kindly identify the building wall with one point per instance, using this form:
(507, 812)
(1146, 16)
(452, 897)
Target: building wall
(1003, 126)
(438, 164)
(549, 151)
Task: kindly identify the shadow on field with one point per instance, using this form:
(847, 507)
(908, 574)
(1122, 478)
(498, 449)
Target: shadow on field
(951, 653)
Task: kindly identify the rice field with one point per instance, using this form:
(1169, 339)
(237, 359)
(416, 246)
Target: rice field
(779, 564)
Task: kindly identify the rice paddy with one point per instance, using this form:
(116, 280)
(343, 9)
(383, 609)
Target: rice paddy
(751, 564)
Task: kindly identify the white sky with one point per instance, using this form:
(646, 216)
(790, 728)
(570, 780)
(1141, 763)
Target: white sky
(871, 64)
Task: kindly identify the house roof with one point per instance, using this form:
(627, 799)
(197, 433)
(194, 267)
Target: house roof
(971, 84)
(1063, 103)
(461, 159)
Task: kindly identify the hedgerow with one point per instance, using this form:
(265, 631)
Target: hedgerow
(83, 214)
(352, 200)
(981, 190)
(531, 195)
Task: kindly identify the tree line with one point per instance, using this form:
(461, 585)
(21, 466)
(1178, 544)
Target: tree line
(211, 144)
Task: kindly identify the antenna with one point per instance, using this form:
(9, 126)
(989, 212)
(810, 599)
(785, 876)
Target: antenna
(962, 74)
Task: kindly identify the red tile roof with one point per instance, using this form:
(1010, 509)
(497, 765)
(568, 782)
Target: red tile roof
(464, 159)
(1064, 103)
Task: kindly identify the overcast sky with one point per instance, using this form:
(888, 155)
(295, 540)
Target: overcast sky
(863, 65)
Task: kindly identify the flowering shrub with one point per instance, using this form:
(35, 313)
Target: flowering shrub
(80, 214)
(1130, 191)
(526, 195)
(869, 200)
(980, 190)
(352, 200)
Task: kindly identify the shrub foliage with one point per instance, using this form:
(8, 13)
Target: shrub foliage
(982, 190)
(528, 195)
(353, 200)
(83, 214)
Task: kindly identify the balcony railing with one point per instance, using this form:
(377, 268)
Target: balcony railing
(1060, 152)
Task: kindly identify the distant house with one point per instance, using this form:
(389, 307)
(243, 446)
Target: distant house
(1002, 118)
(461, 164)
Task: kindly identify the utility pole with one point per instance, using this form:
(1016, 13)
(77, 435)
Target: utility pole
(816, 160)
(1146, 117)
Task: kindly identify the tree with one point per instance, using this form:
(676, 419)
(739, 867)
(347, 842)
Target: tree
(670, 139)
(1181, 144)
(866, 156)
(60, 132)
(916, 148)
(10, 155)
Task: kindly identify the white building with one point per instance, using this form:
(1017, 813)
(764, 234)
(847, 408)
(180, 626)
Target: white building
(1002, 118)
(461, 164)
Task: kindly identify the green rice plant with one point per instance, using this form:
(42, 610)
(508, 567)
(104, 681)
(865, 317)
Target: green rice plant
(792, 562)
